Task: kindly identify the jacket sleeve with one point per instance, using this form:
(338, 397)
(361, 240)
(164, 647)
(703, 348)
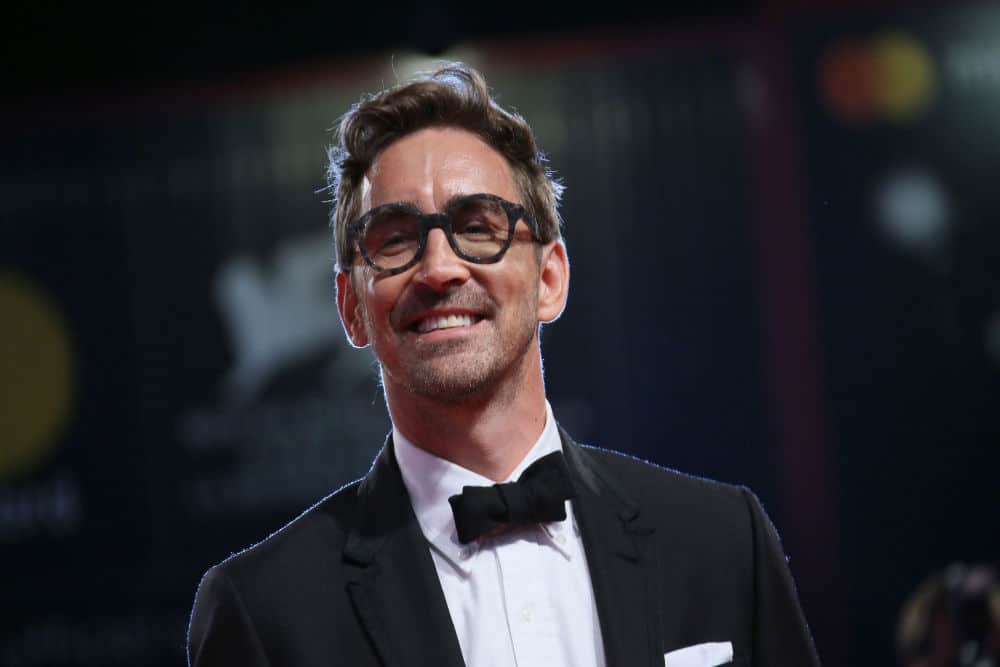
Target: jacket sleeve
(221, 631)
(781, 636)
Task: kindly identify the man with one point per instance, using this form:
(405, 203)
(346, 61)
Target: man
(449, 260)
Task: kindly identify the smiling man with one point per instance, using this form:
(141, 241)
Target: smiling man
(483, 535)
(456, 337)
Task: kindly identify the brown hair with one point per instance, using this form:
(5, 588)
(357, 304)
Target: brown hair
(453, 96)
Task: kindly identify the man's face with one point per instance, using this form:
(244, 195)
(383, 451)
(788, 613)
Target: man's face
(448, 329)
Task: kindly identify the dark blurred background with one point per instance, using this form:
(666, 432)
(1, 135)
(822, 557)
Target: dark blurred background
(783, 223)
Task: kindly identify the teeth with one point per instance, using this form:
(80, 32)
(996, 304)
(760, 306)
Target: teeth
(446, 322)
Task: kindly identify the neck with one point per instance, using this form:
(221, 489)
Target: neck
(489, 434)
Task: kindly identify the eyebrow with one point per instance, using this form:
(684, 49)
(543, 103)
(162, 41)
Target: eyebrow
(455, 199)
(451, 201)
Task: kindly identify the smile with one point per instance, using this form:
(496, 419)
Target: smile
(445, 322)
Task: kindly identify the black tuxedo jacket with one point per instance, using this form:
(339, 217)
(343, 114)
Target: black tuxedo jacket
(674, 561)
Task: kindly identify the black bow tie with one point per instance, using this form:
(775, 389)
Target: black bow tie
(538, 496)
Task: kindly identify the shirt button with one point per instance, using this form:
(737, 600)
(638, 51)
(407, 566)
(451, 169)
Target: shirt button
(466, 553)
(526, 615)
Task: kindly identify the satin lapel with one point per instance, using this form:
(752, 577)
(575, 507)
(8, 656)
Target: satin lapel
(621, 562)
(395, 588)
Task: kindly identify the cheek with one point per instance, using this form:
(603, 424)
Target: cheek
(382, 298)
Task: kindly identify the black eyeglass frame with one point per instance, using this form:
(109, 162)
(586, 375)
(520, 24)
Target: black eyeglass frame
(442, 221)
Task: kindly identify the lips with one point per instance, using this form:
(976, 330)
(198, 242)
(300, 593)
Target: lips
(423, 311)
(434, 323)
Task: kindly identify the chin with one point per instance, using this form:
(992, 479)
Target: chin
(450, 386)
(456, 372)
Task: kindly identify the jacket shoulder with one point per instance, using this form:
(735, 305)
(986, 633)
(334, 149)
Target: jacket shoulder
(716, 514)
(646, 477)
(284, 592)
(312, 536)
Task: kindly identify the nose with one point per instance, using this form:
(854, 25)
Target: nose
(440, 268)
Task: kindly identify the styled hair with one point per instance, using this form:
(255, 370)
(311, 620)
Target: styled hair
(453, 96)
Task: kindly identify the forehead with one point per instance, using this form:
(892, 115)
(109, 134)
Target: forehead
(430, 166)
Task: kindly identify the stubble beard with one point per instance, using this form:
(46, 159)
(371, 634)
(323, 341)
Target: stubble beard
(452, 377)
(455, 372)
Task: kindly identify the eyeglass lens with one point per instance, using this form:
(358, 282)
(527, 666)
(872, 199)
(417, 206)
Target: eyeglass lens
(480, 228)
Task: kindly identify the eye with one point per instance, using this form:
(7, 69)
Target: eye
(391, 232)
(475, 227)
(394, 239)
(479, 220)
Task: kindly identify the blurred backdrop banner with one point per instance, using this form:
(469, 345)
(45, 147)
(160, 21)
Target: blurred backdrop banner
(786, 274)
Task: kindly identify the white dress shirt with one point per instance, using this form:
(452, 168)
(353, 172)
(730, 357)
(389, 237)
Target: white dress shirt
(521, 597)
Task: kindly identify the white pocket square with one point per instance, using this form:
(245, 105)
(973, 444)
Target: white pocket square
(700, 655)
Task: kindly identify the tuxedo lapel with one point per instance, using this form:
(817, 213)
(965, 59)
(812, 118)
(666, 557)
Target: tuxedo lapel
(621, 562)
(395, 588)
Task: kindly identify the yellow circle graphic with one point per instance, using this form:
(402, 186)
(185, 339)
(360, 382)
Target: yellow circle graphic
(906, 76)
(36, 376)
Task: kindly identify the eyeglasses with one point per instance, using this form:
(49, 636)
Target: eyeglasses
(479, 227)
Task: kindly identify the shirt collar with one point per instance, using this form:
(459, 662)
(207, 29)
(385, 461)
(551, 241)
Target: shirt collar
(431, 480)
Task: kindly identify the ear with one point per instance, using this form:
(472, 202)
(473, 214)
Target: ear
(553, 281)
(350, 310)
